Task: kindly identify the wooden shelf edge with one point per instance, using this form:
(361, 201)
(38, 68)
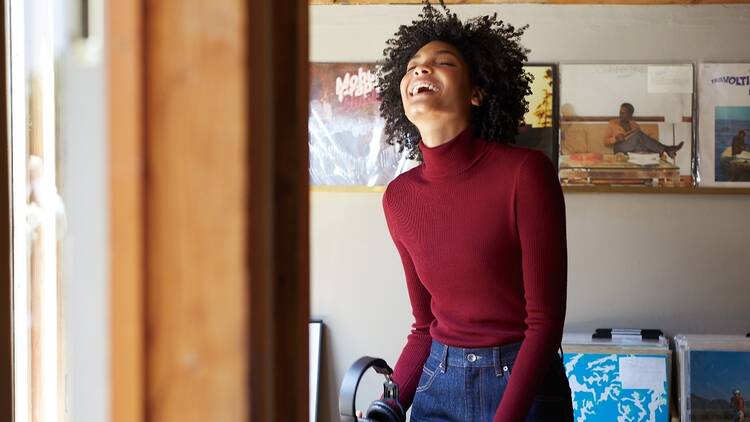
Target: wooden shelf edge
(570, 189)
(346, 188)
(639, 189)
(608, 2)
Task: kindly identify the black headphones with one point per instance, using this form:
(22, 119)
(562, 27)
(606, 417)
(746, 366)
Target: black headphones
(386, 410)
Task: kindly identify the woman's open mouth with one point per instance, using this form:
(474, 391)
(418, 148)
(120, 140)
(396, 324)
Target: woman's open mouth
(423, 88)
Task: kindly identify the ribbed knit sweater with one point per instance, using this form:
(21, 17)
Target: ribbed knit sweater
(480, 228)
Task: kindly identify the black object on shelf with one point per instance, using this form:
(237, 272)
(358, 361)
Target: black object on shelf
(643, 333)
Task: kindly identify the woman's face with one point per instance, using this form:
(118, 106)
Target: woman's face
(437, 85)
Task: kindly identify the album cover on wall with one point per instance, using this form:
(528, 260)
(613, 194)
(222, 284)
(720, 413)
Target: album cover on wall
(347, 146)
(724, 124)
(539, 129)
(612, 380)
(714, 376)
(626, 124)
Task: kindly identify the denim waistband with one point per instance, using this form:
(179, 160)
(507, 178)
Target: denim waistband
(499, 357)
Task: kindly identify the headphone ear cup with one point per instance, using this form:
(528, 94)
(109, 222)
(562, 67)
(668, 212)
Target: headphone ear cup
(385, 411)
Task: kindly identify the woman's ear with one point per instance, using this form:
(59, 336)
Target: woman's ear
(477, 97)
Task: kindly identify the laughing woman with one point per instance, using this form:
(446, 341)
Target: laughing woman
(479, 226)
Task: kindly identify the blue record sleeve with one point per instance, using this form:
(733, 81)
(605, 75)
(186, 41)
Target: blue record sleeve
(616, 380)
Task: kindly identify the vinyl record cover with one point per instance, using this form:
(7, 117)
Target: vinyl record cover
(618, 379)
(539, 129)
(720, 383)
(347, 146)
(626, 124)
(618, 386)
(714, 373)
(724, 110)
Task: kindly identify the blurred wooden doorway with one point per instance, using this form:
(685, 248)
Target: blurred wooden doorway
(209, 210)
(6, 239)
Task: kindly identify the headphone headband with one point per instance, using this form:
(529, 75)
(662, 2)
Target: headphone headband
(348, 393)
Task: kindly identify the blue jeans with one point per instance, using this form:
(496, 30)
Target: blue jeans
(466, 385)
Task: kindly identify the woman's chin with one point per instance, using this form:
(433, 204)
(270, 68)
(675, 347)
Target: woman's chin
(423, 110)
(431, 115)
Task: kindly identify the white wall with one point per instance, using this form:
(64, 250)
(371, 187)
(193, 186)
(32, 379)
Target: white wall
(84, 163)
(670, 261)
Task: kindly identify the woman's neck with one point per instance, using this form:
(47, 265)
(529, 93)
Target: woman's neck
(452, 157)
(436, 134)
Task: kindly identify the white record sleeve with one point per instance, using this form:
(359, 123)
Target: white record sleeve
(723, 115)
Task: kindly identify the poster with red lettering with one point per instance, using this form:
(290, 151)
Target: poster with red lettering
(724, 124)
(347, 146)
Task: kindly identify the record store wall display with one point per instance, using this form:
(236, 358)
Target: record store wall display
(612, 380)
(347, 146)
(714, 376)
(724, 125)
(626, 125)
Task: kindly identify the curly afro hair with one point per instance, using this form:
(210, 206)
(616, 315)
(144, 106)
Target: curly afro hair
(494, 55)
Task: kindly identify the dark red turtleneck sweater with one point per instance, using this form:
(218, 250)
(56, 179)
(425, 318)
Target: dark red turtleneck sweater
(480, 228)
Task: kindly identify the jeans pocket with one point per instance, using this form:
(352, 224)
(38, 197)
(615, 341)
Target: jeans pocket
(430, 370)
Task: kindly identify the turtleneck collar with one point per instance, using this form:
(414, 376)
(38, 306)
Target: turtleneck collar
(452, 157)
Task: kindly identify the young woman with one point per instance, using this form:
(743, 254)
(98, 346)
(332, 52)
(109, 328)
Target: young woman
(479, 226)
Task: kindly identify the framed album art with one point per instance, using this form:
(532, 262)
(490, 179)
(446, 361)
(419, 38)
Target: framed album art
(347, 147)
(724, 124)
(626, 125)
(540, 126)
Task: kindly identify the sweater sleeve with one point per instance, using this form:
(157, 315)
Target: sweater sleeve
(540, 220)
(408, 368)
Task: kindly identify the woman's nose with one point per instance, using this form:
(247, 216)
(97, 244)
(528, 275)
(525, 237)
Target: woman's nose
(421, 69)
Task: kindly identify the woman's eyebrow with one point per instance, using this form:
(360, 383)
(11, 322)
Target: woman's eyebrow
(436, 53)
(446, 52)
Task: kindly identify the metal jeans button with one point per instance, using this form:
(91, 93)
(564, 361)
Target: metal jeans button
(471, 357)
(505, 368)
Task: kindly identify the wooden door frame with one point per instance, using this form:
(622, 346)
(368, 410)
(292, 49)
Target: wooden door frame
(272, 35)
(6, 236)
(124, 52)
(279, 210)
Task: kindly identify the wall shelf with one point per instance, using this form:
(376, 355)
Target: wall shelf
(639, 189)
(574, 189)
(611, 2)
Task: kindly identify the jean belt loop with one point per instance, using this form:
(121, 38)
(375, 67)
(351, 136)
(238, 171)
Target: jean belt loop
(496, 361)
(444, 359)
(504, 358)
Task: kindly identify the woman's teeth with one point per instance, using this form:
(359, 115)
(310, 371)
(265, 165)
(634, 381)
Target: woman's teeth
(420, 85)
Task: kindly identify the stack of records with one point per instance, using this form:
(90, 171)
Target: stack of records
(714, 377)
(624, 377)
